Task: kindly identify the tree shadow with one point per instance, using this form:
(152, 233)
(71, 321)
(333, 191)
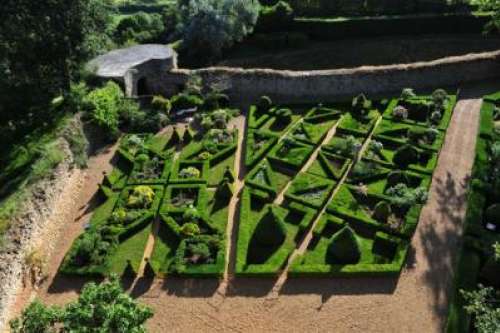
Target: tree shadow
(190, 287)
(64, 283)
(441, 237)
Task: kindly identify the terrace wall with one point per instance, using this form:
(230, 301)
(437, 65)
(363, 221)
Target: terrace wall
(246, 85)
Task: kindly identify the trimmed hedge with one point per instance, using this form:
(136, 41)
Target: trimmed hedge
(331, 29)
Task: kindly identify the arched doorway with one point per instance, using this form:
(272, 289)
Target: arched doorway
(142, 87)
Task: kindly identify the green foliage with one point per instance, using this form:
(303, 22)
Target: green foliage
(496, 250)
(405, 155)
(284, 115)
(483, 304)
(397, 177)
(210, 26)
(141, 197)
(91, 249)
(140, 28)
(105, 308)
(224, 190)
(190, 229)
(185, 101)
(407, 93)
(161, 104)
(344, 247)
(191, 214)
(277, 17)
(105, 107)
(187, 137)
(271, 230)
(189, 172)
(37, 318)
(404, 196)
(361, 105)
(43, 48)
(347, 147)
(382, 211)
(49, 158)
(494, 7)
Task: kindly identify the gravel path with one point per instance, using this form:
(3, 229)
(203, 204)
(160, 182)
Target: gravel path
(416, 302)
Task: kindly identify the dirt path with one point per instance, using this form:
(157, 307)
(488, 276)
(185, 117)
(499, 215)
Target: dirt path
(76, 207)
(416, 302)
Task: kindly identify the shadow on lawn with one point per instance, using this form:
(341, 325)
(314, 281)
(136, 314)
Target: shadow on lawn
(440, 237)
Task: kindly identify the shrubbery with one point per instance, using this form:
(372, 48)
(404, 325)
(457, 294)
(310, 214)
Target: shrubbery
(139, 28)
(344, 248)
(104, 307)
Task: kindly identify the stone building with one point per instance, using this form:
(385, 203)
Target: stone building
(138, 68)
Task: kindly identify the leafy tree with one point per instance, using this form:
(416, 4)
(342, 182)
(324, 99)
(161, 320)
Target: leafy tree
(42, 47)
(210, 26)
(99, 308)
(494, 7)
(140, 28)
(483, 304)
(104, 106)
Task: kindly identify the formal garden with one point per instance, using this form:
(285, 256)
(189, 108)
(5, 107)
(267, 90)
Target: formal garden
(354, 174)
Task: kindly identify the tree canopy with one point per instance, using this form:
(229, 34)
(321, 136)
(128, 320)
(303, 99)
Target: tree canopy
(42, 46)
(99, 308)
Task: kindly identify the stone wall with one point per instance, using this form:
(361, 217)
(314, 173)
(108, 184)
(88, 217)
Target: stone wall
(331, 85)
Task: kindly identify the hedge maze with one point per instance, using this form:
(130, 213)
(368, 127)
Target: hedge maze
(354, 175)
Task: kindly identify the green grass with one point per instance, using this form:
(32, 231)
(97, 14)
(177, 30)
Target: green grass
(131, 249)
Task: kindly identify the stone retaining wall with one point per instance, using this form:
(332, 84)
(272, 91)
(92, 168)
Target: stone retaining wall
(246, 85)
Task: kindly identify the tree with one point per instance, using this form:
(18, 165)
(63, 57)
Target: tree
(140, 28)
(42, 47)
(483, 304)
(494, 7)
(99, 308)
(210, 26)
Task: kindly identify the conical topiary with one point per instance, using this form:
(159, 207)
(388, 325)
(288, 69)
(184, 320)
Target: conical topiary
(148, 270)
(187, 137)
(405, 156)
(382, 211)
(129, 271)
(344, 247)
(397, 177)
(175, 138)
(228, 174)
(271, 230)
(224, 190)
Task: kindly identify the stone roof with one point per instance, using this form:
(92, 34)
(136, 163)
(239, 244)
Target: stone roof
(116, 63)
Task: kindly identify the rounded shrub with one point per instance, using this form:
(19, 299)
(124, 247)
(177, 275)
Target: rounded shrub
(161, 104)
(190, 229)
(382, 211)
(185, 101)
(271, 230)
(397, 177)
(405, 156)
(344, 247)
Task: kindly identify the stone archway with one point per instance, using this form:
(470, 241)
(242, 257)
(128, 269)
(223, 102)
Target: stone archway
(142, 87)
